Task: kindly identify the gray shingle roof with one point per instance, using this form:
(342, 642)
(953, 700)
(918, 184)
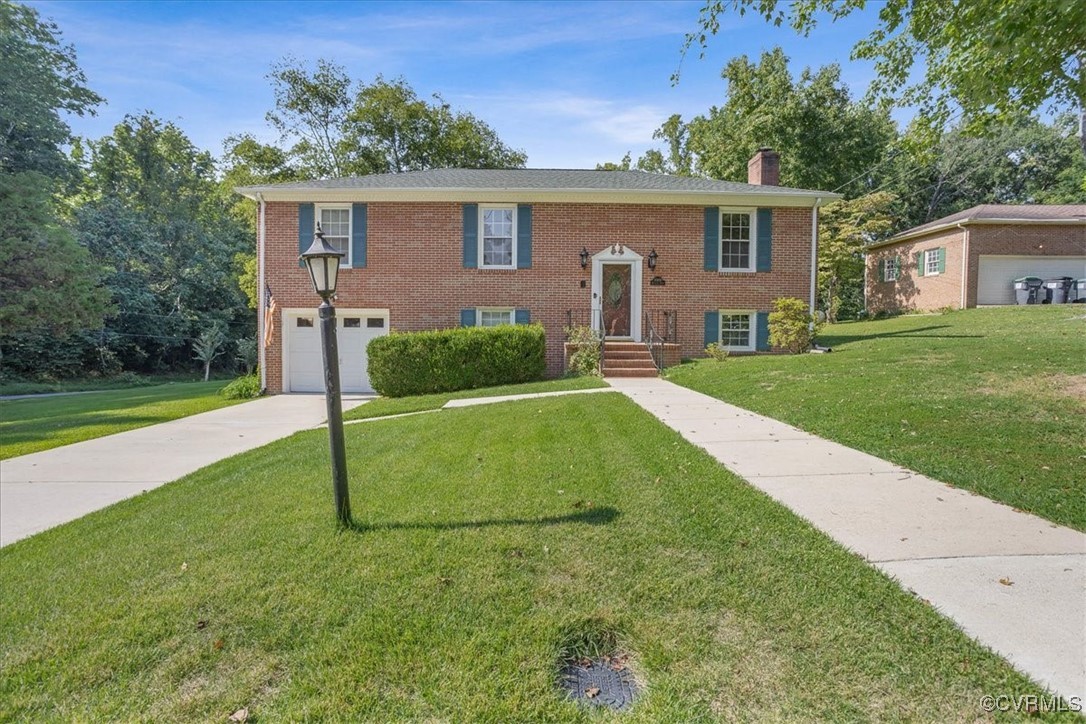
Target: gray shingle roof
(534, 179)
(1006, 212)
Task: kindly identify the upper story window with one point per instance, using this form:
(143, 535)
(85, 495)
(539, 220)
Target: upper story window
(497, 247)
(737, 235)
(494, 317)
(931, 262)
(890, 269)
(335, 222)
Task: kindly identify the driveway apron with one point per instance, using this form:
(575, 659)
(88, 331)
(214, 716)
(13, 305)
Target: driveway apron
(1012, 581)
(44, 489)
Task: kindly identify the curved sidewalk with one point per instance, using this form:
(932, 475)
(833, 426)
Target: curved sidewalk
(1012, 581)
(44, 489)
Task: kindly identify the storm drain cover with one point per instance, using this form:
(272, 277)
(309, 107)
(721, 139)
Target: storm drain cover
(600, 682)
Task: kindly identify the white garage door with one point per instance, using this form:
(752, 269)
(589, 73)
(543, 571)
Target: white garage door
(354, 330)
(996, 273)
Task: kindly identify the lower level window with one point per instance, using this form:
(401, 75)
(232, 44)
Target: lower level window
(736, 330)
(494, 317)
(890, 270)
(931, 262)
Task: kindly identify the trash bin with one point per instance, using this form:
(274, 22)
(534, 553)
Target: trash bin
(1078, 291)
(1059, 289)
(1029, 290)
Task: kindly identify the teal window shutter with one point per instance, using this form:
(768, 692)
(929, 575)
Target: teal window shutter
(522, 316)
(712, 238)
(882, 270)
(761, 338)
(920, 263)
(471, 236)
(467, 317)
(712, 327)
(524, 236)
(942, 259)
(306, 226)
(358, 236)
(764, 251)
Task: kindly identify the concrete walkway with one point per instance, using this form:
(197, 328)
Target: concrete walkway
(1013, 581)
(44, 489)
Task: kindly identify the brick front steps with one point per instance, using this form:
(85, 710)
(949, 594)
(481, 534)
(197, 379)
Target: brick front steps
(627, 359)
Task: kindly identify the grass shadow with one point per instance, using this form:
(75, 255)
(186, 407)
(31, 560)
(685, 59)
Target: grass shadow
(595, 516)
(840, 340)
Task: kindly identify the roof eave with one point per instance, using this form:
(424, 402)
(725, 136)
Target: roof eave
(908, 235)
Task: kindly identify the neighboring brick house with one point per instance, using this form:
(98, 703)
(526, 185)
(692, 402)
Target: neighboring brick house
(972, 257)
(442, 248)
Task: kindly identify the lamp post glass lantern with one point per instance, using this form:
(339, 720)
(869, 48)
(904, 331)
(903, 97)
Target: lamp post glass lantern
(322, 260)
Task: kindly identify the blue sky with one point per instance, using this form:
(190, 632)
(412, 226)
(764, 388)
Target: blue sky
(570, 83)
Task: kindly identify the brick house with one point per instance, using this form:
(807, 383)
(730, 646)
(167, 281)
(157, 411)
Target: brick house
(681, 260)
(970, 258)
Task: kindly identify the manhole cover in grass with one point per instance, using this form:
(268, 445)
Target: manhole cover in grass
(600, 682)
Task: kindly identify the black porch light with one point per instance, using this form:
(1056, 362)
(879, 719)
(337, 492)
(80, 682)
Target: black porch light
(322, 260)
(653, 256)
(584, 257)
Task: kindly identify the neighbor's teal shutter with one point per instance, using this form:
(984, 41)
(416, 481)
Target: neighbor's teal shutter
(471, 236)
(882, 270)
(467, 317)
(358, 235)
(765, 240)
(306, 227)
(761, 338)
(920, 263)
(522, 316)
(942, 259)
(712, 238)
(524, 237)
(712, 327)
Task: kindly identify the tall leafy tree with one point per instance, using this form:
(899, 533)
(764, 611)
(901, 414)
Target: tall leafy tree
(844, 228)
(989, 58)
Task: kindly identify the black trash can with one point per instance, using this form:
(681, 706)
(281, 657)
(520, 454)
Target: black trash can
(1059, 289)
(1029, 290)
(1079, 292)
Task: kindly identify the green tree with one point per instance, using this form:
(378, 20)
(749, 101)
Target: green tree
(987, 57)
(677, 159)
(844, 228)
(334, 127)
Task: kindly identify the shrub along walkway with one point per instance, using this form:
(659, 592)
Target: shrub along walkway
(1012, 580)
(47, 488)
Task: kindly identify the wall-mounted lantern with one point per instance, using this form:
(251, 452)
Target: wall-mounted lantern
(584, 258)
(653, 256)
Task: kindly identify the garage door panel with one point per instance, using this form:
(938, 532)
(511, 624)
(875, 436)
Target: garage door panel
(354, 331)
(996, 273)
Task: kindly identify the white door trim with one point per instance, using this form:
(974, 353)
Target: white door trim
(288, 315)
(618, 254)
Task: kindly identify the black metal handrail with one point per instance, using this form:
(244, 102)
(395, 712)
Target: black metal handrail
(664, 321)
(654, 342)
(601, 332)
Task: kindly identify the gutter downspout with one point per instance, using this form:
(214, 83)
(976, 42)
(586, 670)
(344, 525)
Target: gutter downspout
(814, 257)
(260, 296)
(965, 264)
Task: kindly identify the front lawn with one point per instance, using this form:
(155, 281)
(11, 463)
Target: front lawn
(491, 541)
(992, 400)
(385, 406)
(32, 424)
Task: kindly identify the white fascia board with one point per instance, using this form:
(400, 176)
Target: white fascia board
(685, 198)
(908, 235)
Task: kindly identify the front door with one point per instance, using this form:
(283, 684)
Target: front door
(616, 300)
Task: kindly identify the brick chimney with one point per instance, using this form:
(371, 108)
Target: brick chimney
(764, 168)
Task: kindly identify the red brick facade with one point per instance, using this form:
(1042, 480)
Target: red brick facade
(925, 293)
(415, 268)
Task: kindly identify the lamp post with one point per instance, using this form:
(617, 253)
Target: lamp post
(322, 260)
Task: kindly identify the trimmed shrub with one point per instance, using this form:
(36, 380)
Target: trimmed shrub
(420, 363)
(791, 327)
(717, 351)
(585, 358)
(245, 387)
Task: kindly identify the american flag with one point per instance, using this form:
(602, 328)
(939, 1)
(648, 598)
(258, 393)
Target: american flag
(270, 307)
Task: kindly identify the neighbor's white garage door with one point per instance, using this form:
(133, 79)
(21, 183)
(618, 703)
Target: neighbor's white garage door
(304, 365)
(996, 273)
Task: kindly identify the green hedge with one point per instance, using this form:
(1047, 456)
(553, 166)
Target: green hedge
(420, 363)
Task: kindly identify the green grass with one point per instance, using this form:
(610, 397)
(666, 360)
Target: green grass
(385, 406)
(33, 424)
(992, 400)
(123, 381)
(490, 540)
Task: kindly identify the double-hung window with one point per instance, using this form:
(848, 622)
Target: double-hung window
(737, 235)
(931, 262)
(737, 331)
(890, 270)
(494, 317)
(335, 222)
(497, 245)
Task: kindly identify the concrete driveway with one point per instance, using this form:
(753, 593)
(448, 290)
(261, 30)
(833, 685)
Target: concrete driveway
(44, 489)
